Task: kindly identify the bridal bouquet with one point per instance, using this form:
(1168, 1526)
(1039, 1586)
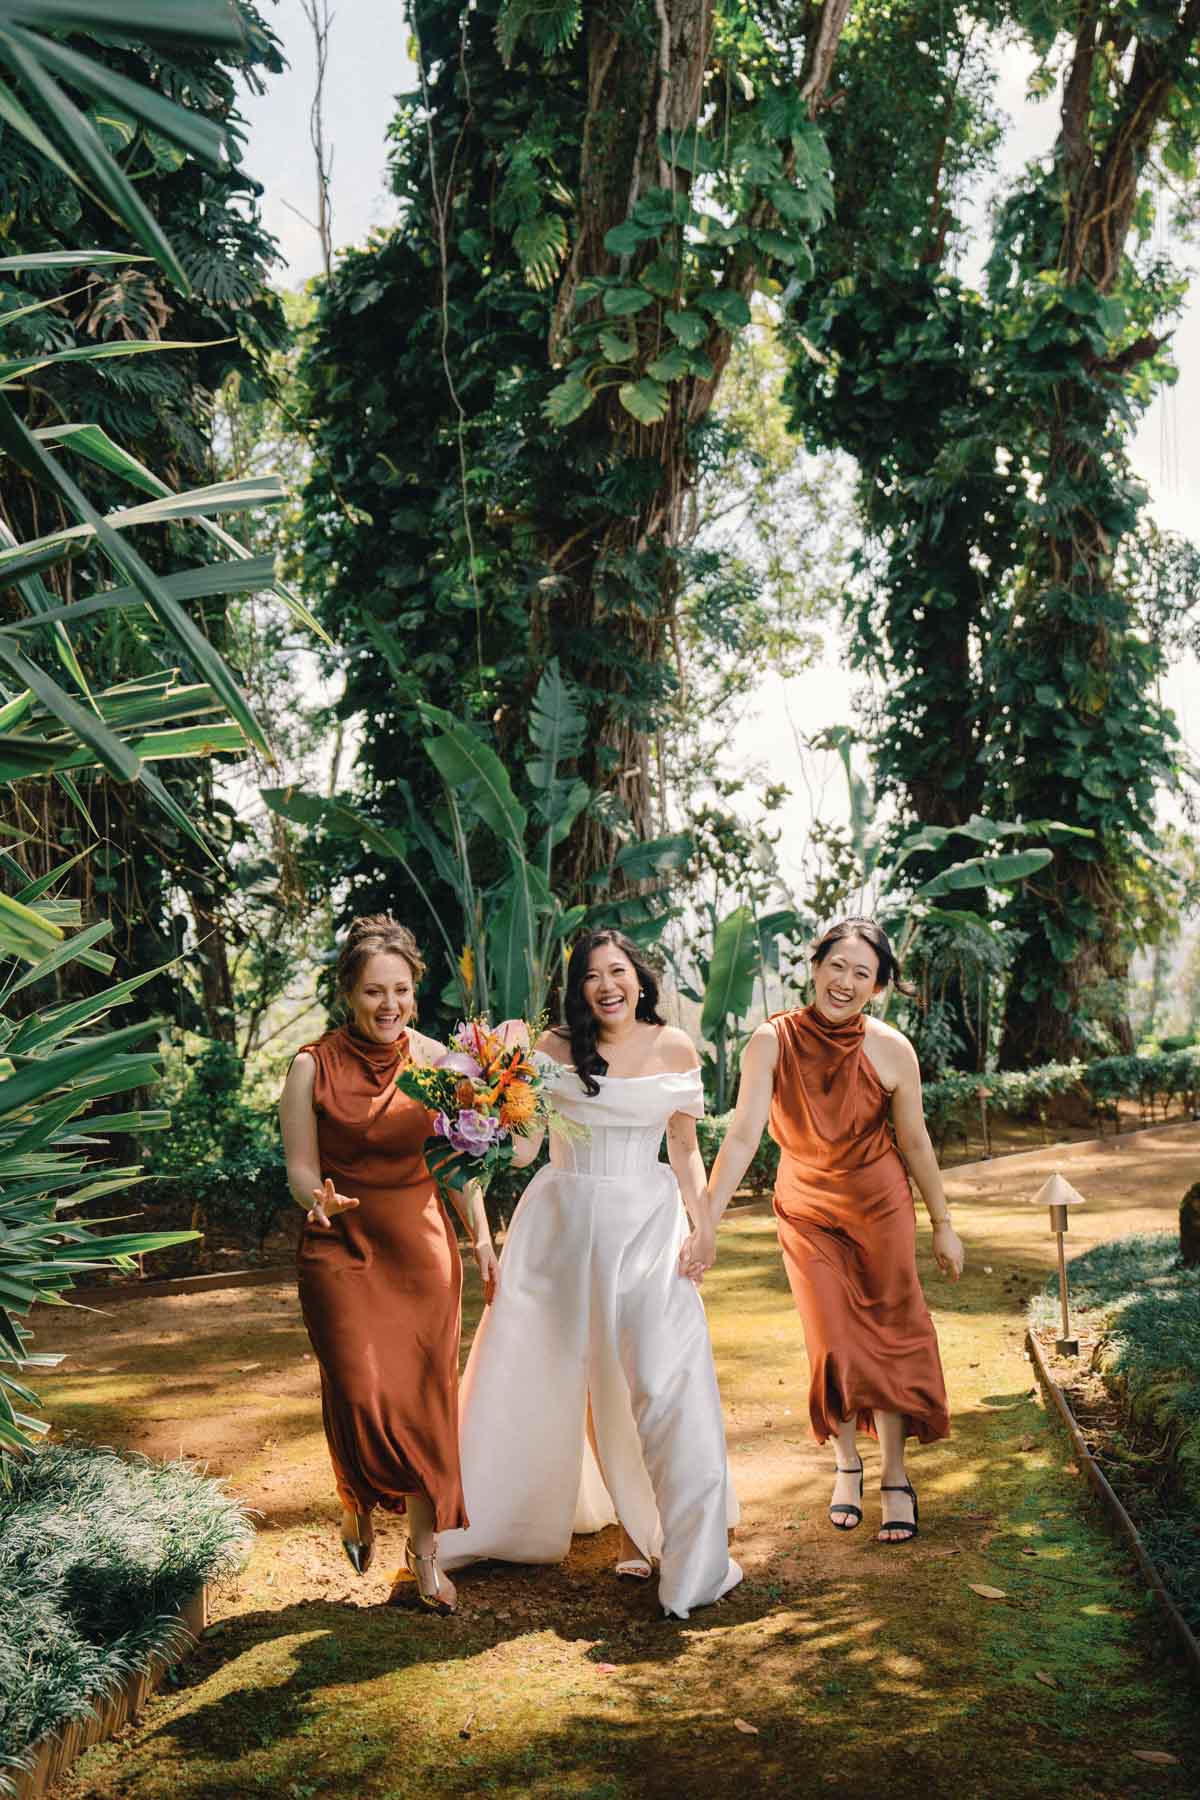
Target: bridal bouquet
(488, 1088)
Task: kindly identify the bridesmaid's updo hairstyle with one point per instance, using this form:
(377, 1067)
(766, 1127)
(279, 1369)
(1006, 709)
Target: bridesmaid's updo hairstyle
(367, 937)
(581, 1025)
(873, 934)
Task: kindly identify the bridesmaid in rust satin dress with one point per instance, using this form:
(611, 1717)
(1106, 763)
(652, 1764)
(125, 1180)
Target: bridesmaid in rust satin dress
(834, 1086)
(379, 1268)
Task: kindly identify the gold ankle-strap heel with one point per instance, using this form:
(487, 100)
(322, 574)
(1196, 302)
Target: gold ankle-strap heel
(435, 1602)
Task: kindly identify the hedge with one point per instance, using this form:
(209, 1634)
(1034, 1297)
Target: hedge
(1152, 1080)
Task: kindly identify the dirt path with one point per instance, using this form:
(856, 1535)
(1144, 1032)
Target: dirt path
(840, 1665)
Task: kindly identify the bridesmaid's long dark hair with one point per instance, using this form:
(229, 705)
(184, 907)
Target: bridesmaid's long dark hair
(581, 1026)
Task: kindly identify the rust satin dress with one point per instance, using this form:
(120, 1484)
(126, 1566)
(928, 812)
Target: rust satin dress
(381, 1289)
(847, 1229)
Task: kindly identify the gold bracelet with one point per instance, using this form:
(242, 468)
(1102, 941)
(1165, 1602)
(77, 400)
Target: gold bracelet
(944, 1220)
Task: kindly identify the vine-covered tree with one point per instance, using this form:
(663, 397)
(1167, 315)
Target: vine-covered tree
(509, 389)
(1019, 664)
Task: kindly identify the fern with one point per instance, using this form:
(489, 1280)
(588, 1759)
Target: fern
(550, 25)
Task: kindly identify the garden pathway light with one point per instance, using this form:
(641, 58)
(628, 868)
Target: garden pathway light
(1058, 1195)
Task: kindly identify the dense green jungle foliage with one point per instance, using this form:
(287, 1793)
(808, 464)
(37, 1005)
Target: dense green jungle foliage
(556, 309)
(1005, 593)
(559, 305)
(162, 692)
(160, 410)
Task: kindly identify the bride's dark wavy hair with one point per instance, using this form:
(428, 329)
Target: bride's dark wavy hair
(580, 1025)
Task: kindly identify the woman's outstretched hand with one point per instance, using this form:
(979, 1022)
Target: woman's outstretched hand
(488, 1264)
(948, 1251)
(328, 1204)
(699, 1253)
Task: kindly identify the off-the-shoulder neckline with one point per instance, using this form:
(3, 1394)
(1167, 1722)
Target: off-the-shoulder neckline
(570, 1069)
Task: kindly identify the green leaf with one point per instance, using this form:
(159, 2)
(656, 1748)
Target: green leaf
(728, 308)
(616, 349)
(622, 302)
(87, 150)
(43, 1076)
(541, 244)
(568, 401)
(36, 460)
(690, 150)
(671, 365)
(101, 352)
(193, 132)
(647, 400)
(654, 856)
(662, 277)
(472, 769)
(624, 240)
(690, 328)
(732, 968)
(67, 952)
(557, 725)
(68, 259)
(985, 871)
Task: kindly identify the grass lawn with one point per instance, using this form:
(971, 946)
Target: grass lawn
(840, 1664)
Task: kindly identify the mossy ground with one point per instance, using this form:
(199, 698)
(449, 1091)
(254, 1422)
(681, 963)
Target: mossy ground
(860, 1668)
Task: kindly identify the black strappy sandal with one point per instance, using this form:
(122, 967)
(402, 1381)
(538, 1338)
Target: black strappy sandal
(910, 1530)
(846, 1506)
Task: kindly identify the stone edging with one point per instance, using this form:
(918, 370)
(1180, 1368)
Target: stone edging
(1177, 1626)
(54, 1754)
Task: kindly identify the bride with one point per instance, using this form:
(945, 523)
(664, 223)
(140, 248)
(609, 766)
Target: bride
(596, 1340)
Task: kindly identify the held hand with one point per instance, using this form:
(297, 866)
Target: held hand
(698, 1254)
(328, 1204)
(488, 1264)
(948, 1250)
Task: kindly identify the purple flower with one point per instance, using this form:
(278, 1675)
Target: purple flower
(459, 1063)
(474, 1132)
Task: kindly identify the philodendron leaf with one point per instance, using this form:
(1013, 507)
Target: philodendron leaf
(568, 401)
(647, 400)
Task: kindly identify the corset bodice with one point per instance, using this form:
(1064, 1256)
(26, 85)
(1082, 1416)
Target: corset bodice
(625, 1121)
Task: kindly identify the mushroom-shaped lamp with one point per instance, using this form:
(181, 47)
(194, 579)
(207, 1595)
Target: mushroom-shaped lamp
(1059, 1195)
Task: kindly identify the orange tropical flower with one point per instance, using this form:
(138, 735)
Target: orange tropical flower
(520, 1103)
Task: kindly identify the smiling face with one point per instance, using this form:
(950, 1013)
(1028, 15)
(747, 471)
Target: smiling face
(384, 998)
(846, 978)
(610, 987)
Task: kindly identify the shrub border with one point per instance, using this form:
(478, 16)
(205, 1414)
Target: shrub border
(53, 1755)
(1118, 1518)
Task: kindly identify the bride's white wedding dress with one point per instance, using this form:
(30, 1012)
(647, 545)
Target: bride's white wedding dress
(590, 1302)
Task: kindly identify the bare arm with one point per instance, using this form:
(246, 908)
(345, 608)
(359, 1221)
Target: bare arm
(915, 1146)
(749, 1121)
(683, 1154)
(298, 1124)
(733, 1158)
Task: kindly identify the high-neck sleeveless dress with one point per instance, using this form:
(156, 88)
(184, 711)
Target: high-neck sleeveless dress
(590, 1303)
(847, 1230)
(381, 1289)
